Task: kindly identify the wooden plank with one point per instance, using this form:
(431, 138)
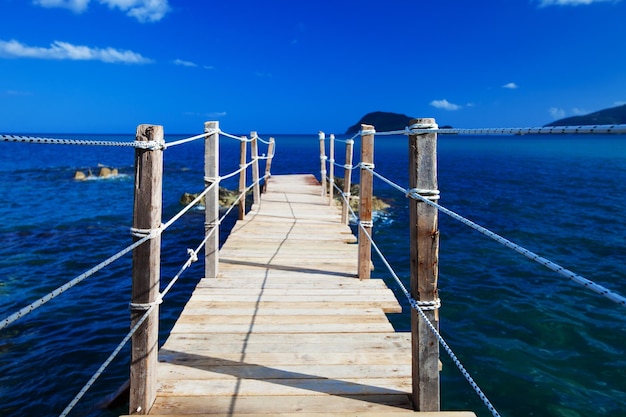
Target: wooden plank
(275, 405)
(287, 328)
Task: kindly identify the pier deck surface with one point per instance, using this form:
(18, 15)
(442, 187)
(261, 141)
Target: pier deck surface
(287, 328)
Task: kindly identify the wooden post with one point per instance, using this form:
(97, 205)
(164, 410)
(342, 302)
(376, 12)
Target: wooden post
(331, 167)
(365, 201)
(243, 149)
(212, 203)
(424, 268)
(268, 163)
(347, 181)
(146, 269)
(322, 136)
(254, 148)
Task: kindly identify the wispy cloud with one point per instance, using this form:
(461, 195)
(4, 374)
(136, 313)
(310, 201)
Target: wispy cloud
(66, 51)
(556, 113)
(210, 115)
(510, 86)
(17, 93)
(77, 6)
(184, 63)
(142, 10)
(547, 3)
(445, 105)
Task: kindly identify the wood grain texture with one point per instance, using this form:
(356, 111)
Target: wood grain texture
(288, 328)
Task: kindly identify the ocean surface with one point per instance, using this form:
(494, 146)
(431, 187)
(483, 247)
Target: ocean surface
(535, 342)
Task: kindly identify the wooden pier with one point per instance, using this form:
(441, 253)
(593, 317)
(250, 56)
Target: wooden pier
(287, 328)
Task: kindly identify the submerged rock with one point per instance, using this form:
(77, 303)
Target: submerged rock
(104, 172)
(377, 203)
(226, 198)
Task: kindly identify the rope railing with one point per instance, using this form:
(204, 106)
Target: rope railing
(420, 307)
(145, 235)
(424, 196)
(192, 258)
(430, 196)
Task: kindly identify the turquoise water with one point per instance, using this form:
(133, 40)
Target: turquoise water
(535, 342)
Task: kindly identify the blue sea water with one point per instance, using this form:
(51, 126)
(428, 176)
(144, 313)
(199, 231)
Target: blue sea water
(536, 343)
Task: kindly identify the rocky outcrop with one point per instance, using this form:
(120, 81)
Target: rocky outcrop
(377, 203)
(103, 172)
(226, 198)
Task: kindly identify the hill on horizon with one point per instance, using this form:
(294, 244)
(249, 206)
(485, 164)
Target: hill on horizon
(382, 121)
(610, 116)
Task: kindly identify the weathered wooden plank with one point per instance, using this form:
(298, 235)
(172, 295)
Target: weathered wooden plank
(287, 327)
(287, 342)
(285, 358)
(284, 386)
(387, 307)
(169, 371)
(275, 405)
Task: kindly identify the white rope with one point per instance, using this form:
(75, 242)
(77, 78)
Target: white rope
(191, 139)
(239, 138)
(549, 130)
(267, 142)
(106, 363)
(151, 145)
(597, 288)
(189, 206)
(420, 307)
(33, 306)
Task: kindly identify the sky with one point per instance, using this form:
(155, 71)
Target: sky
(300, 66)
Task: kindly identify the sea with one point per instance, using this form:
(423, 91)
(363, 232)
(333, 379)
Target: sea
(535, 342)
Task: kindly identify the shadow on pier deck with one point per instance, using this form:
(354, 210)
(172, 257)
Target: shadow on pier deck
(287, 328)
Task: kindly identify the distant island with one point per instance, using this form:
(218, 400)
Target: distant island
(610, 116)
(384, 122)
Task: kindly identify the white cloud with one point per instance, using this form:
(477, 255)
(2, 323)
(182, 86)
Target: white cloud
(184, 63)
(77, 6)
(66, 51)
(142, 10)
(546, 3)
(444, 104)
(511, 86)
(17, 93)
(557, 113)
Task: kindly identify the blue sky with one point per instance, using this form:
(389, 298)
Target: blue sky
(297, 66)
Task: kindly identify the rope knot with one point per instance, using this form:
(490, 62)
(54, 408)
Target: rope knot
(144, 306)
(415, 193)
(426, 305)
(192, 255)
(151, 233)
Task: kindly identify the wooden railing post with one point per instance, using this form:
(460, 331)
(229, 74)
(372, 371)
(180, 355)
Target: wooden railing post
(322, 137)
(331, 168)
(212, 200)
(243, 149)
(254, 149)
(268, 163)
(424, 235)
(146, 269)
(366, 201)
(347, 181)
